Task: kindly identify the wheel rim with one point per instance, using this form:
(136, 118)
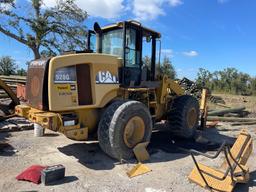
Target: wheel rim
(192, 117)
(134, 131)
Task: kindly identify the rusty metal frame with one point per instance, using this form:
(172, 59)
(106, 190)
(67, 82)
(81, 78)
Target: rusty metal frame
(11, 94)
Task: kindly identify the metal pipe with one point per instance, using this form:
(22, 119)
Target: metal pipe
(230, 119)
(224, 111)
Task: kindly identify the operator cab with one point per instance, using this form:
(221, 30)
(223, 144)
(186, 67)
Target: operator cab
(126, 40)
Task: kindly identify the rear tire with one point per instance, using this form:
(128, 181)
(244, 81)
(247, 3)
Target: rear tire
(119, 117)
(183, 116)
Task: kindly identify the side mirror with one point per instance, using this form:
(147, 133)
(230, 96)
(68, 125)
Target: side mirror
(148, 39)
(97, 28)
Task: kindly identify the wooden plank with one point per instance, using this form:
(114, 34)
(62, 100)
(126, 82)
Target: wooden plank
(13, 77)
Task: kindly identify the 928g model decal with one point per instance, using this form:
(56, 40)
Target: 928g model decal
(105, 77)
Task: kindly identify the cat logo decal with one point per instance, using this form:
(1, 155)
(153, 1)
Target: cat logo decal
(105, 77)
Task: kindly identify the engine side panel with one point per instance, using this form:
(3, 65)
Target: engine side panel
(80, 81)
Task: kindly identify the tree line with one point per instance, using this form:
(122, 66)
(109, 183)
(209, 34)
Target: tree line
(164, 67)
(228, 80)
(8, 66)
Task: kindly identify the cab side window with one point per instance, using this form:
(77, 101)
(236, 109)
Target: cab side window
(132, 56)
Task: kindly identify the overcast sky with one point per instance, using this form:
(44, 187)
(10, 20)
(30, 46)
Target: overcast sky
(212, 34)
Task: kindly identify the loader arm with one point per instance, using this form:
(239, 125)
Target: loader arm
(168, 85)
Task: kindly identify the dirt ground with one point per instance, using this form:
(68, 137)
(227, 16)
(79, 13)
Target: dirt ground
(89, 169)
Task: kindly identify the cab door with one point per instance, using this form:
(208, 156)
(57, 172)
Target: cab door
(131, 71)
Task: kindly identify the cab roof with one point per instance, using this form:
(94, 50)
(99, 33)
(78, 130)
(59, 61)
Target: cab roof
(146, 31)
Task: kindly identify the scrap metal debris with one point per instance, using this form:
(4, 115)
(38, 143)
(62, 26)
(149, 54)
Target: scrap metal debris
(236, 170)
(8, 102)
(15, 124)
(192, 88)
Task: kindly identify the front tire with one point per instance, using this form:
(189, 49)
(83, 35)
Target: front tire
(183, 116)
(123, 125)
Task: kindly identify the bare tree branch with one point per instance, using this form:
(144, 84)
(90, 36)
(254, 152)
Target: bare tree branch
(12, 35)
(48, 30)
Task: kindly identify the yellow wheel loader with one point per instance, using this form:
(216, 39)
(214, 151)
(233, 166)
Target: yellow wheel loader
(108, 89)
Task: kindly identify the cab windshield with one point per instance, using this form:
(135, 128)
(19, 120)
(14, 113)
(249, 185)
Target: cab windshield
(112, 42)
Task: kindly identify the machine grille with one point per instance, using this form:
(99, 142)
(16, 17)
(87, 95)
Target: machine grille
(36, 86)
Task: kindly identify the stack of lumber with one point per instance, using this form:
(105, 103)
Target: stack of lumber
(12, 82)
